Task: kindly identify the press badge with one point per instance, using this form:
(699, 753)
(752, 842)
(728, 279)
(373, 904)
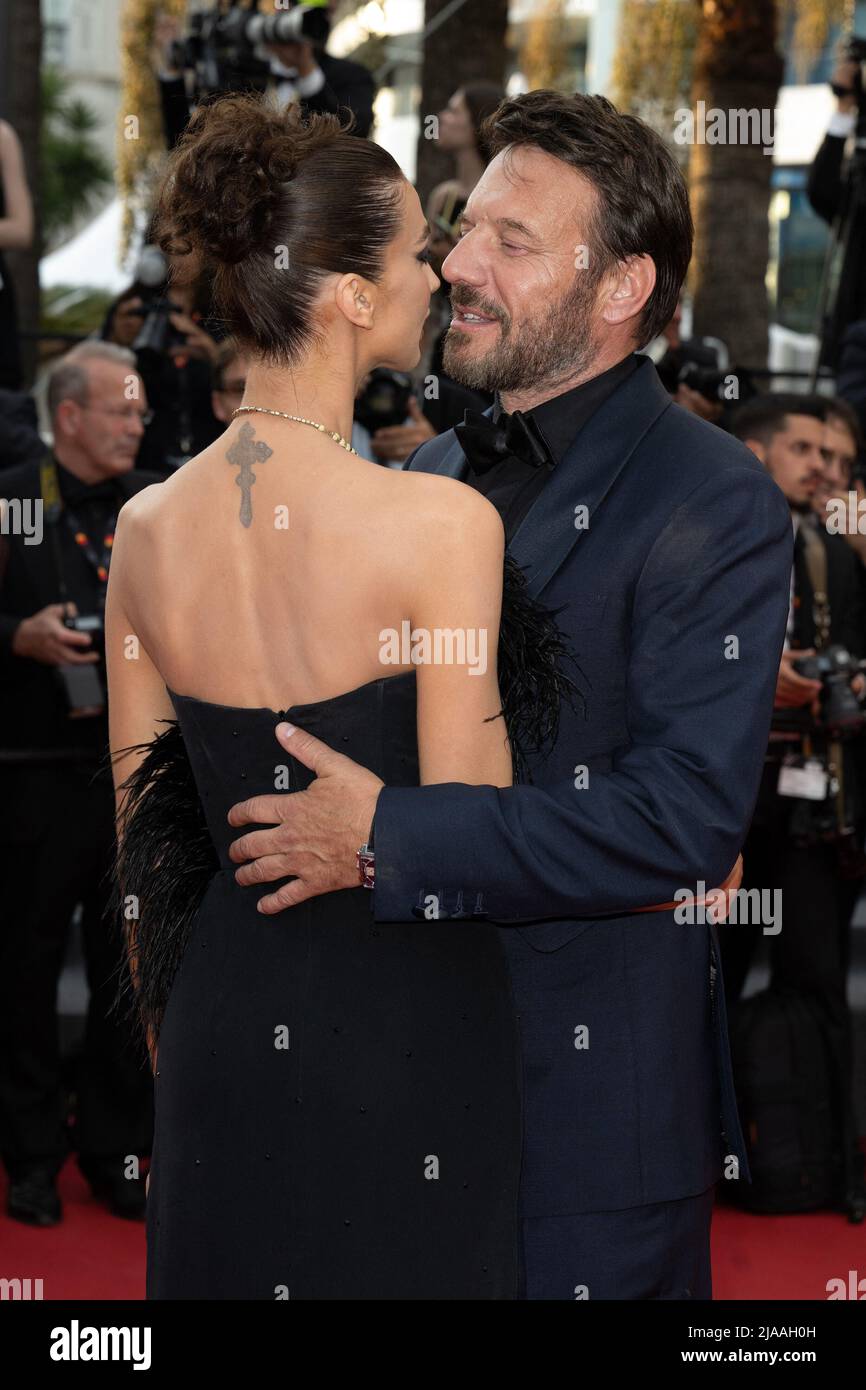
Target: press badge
(803, 777)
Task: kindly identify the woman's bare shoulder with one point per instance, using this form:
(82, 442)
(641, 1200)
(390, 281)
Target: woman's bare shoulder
(417, 499)
(142, 506)
(163, 498)
(432, 524)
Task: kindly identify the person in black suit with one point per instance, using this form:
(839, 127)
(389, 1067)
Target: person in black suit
(19, 433)
(819, 881)
(302, 72)
(826, 190)
(56, 803)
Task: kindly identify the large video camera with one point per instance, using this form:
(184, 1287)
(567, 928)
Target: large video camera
(223, 49)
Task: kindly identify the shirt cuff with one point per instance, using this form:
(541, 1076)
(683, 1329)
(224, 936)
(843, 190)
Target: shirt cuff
(842, 124)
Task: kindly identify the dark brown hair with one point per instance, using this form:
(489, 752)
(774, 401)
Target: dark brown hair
(268, 203)
(840, 409)
(482, 99)
(643, 200)
(766, 415)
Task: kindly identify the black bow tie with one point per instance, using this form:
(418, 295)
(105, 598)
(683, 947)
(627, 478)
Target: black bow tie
(486, 442)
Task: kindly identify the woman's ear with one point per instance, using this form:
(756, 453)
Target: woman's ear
(355, 297)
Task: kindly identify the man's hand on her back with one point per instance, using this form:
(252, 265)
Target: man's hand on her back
(312, 836)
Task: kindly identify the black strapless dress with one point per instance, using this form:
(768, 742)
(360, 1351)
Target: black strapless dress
(338, 1102)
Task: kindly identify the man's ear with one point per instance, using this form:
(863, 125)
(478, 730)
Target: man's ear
(757, 448)
(67, 418)
(355, 297)
(629, 287)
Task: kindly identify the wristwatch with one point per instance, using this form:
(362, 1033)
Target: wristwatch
(366, 857)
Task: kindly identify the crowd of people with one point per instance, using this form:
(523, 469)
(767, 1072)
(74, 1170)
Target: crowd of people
(155, 385)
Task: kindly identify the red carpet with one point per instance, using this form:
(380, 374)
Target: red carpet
(92, 1254)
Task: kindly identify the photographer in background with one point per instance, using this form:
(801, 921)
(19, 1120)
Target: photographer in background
(228, 379)
(828, 191)
(806, 837)
(167, 327)
(842, 454)
(696, 372)
(300, 70)
(56, 804)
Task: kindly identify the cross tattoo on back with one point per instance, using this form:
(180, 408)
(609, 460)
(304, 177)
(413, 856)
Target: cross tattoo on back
(246, 451)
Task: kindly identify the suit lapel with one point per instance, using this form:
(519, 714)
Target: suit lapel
(583, 478)
(453, 463)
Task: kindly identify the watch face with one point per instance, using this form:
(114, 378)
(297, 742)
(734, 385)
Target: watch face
(366, 866)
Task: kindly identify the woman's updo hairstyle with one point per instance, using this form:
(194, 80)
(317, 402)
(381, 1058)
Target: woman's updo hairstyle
(266, 203)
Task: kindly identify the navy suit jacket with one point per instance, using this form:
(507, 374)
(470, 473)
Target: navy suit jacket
(674, 598)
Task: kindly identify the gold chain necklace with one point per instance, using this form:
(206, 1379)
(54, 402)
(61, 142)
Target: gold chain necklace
(299, 420)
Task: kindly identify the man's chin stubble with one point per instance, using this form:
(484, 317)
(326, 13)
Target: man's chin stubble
(459, 364)
(489, 372)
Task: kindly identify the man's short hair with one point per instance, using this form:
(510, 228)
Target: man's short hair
(840, 410)
(68, 379)
(763, 417)
(643, 201)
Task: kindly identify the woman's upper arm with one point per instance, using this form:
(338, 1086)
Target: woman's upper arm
(137, 697)
(19, 205)
(456, 609)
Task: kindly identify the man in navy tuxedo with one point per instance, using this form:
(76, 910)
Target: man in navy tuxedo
(666, 549)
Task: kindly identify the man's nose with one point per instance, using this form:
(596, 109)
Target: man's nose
(463, 264)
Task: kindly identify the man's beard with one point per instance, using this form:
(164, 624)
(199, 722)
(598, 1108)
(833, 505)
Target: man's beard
(557, 344)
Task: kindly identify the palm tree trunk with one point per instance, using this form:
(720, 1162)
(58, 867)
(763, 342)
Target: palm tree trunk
(736, 67)
(469, 46)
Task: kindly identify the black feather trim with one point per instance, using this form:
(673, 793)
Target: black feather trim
(534, 679)
(165, 860)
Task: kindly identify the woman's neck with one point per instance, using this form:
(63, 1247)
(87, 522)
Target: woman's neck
(310, 390)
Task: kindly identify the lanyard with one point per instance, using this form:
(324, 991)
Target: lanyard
(98, 562)
(56, 511)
